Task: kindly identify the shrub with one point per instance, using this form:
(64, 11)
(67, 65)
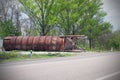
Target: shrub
(55, 54)
(7, 55)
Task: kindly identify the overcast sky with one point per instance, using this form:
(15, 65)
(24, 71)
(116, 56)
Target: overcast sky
(112, 7)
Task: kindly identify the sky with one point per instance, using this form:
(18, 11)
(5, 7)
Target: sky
(112, 8)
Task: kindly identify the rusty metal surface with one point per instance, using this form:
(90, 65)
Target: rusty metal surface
(18, 42)
(41, 43)
(6, 43)
(48, 42)
(30, 42)
(24, 43)
(62, 47)
(35, 44)
(13, 43)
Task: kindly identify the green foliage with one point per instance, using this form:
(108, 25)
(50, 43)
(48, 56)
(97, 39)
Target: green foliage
(56, 54)
(42, 14)
(15, 56)
(7, 28)
(69, 16)
(5, 55)
(72, 16)
(114, 41)
(93, 22)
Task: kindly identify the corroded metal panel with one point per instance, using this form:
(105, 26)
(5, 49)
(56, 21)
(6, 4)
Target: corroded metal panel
(41, 43)
(18, 43)
(6, 43)
(30, 42)
(48, 42)
(54, 43)
(24, 43)
(13, 43)
(35, 44)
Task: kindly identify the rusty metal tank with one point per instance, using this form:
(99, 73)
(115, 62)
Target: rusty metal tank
(41, 43)
(36, 43)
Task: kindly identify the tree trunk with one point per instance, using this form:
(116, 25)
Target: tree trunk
(90, 43)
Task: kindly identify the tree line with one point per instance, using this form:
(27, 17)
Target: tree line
(67, 17)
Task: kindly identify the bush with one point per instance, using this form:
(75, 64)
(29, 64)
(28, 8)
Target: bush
(55, 54)
(7, 55)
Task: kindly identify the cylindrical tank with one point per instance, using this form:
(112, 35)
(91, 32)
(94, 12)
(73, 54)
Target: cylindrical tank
(41, 43)
(6, 42)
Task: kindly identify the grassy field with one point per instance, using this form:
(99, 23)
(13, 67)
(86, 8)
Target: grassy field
(15, 56)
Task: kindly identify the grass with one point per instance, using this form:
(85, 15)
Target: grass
(15, 56)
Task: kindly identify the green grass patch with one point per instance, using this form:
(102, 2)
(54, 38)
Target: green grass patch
(15, 56)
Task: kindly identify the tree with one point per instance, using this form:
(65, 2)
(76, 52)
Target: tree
(9, 18)
(69, 15)
(41, 13)
(93, 21)
(8, 28)
(114, 41)
(82, 17)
